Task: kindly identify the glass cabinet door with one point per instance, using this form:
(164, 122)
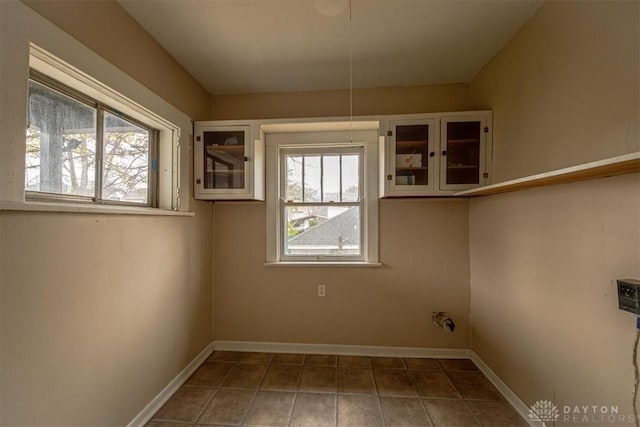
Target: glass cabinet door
(224, 159)
(413, 149)
(463, 147)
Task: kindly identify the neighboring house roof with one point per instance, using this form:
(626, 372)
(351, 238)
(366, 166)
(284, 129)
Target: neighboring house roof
(329, 232)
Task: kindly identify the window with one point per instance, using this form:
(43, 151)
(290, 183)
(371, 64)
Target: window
(321, 194)
(79, 149)
(321, 207)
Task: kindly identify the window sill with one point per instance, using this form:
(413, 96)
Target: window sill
(82, 208)
(323, 264)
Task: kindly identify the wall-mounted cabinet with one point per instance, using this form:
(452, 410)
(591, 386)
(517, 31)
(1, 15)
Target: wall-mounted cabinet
(228, 162)
(436, 154)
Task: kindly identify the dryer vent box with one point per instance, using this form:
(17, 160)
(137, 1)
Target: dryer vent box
(629, 295)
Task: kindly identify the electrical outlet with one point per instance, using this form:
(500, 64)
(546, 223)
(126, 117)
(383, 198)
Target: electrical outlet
(322, 289)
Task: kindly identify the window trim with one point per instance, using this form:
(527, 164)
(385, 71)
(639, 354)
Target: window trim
(100, 110)
(306, 132)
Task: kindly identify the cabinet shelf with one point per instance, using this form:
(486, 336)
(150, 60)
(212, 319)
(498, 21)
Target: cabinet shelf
(462, 167)
(237, 171)
(226, 147)
(620, 165)
(417, 169)
(463, 141)
(412, 144)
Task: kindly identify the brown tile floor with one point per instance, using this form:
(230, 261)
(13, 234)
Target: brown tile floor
(263, 389)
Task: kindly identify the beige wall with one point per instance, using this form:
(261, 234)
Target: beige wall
(106, 28)
(423, 246)
(98, 313)
(424, 249)
(543, 306)
(565, 89)
(387, 100)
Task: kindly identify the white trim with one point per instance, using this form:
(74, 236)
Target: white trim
(339, 349)
(502, 387)
(88, 208)
(322, 264)
(156, 403)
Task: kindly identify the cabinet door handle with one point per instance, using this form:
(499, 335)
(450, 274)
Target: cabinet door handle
(444, 152)
(246, 159)
(431, 154)
(198, 181)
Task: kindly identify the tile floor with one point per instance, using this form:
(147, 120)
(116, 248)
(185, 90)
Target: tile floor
(263, 389)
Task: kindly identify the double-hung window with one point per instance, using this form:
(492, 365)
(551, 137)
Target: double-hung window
(79, 149)
(322, 193)
(322, 205)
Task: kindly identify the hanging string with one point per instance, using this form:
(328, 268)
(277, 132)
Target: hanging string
(350, 73)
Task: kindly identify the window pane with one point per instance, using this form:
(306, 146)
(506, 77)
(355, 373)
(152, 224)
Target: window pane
(331, 179)
(293, 190)
(350, 178)
(322, 230)
(126, 161)
(61, 144)
(312, 176)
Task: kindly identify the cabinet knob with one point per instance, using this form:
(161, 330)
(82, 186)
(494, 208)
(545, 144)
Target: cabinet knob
(389, 177)
(198, 181)
(431, 154)
(444, 152)
(246, 159)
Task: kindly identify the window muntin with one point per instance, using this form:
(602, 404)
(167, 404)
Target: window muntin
(321, 208)
(80, 150)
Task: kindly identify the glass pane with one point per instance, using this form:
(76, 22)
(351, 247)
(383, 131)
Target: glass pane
(412, 154)
(463, 153)
(293, 190)
(350, 178)
(331, 179)
(126, 161)
(322, 230)
(224, 159)
(312, 176)
(61, 144)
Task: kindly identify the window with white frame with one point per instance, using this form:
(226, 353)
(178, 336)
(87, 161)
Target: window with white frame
(321, 196)
(321, 205)
(79, 149)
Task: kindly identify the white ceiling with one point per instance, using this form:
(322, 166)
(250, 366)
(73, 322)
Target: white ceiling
(252, 46)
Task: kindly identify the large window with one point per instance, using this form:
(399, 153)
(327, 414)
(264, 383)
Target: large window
(79, 149)
(322, 193)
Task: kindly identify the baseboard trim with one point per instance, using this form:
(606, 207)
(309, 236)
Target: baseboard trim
(156, 403)
(503, 388)
(344, 350)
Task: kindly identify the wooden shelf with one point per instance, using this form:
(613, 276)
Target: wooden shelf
(458, 167)
(226, 147)
(463, 141)
(412, 144)
(620, 165)
(417, 169)
(235, 171)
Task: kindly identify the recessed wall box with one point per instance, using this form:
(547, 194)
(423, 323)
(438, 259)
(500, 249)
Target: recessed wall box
(629, 295)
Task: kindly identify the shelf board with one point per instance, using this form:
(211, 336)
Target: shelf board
(620, 165)
(421, 168)
(226, 147)
(235, 171)
(463, 141)
(458, 167)
(412, 144)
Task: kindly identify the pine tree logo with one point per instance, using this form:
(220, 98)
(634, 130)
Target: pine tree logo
(545, 411)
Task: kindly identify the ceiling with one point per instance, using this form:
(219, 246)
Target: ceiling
(254, 46)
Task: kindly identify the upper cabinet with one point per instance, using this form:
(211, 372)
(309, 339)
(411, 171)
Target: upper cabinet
(436, 154)
(228, 162)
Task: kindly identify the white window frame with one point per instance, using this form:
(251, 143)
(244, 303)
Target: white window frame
(281, 137)
(322, 150)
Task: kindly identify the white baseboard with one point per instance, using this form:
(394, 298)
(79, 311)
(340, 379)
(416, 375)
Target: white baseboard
(156, 403)
(344, 350)
(508, 394)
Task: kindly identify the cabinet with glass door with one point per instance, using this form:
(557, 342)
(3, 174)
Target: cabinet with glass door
(227, 163)
(436, 154)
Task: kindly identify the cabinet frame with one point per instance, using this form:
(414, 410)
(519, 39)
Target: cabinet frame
(253, 170)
